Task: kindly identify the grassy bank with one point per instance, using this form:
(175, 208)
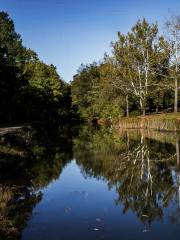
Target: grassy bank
(161, 122)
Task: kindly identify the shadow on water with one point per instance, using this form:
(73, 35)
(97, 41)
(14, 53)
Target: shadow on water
(142, 166)
(30, 158)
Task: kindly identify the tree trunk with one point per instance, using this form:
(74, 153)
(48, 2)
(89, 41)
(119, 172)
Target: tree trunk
(157, 109)
(178, 152)
(176, 95)
(157, 104)
(144, 112)
(127, 106)
(143, 108)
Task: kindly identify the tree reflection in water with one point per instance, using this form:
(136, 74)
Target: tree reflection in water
(143, 166)
(30, 158)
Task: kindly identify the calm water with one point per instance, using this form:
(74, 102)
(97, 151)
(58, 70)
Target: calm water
(89, 184)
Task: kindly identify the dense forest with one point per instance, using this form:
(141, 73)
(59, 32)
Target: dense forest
(30, 89)
(139, 77)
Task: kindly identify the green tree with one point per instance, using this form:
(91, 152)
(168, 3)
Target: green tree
(30, 90)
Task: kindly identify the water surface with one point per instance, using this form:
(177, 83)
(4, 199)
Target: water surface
(89, 184)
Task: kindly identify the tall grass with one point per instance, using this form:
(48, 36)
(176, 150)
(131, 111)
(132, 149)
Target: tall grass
(161, 122)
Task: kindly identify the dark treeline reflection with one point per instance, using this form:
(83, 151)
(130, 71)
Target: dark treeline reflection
(142, 166)
(30, 158)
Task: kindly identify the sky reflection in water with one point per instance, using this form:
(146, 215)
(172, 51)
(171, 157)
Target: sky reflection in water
(119, 186)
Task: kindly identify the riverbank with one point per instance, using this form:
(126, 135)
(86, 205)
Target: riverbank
(160, 122)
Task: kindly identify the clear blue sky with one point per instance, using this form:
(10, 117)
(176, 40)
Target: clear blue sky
(67, 33)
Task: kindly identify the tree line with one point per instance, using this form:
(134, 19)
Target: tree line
(30, 90)
(140, 76)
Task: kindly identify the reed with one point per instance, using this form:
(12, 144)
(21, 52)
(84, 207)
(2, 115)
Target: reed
(160, 122)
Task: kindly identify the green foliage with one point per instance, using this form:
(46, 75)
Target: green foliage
(30, 89)
(134, 80)
(93, 93)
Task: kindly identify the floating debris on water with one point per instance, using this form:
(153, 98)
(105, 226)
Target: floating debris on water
(96, 229)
